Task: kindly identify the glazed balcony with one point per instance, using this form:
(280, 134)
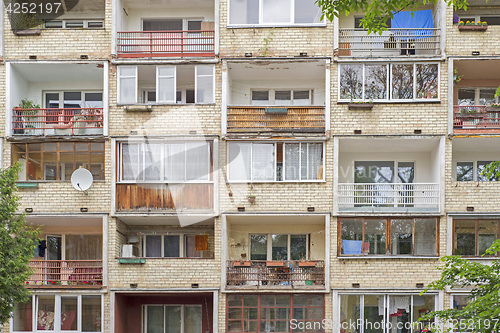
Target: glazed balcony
(52, 121)
(65, 273)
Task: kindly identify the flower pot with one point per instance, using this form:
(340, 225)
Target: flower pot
(307, 263)
(360, 106)
(473, 27)
(493, 109)
(251, 199)
(28, 32)
(275, 263)
(242, 263)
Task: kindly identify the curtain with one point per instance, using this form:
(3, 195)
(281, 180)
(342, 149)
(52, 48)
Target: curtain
(263, 161)
(197, 161)
(292, 160)
(312, 161)
(152, 161)
(175, 161)
(239, 160)
(83, 247)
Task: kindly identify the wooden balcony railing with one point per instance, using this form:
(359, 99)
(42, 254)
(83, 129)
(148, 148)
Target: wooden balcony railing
(393, 42)
(261, 119)
(65, 272)
(470, 118)
(175, 43)
(75, 121)
(275, 273)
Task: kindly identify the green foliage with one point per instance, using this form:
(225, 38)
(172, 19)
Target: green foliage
(28, 104)
(482, 313)
(17, 243)
(492, 170)
(497, 93)
(267, 41)
(377, 12)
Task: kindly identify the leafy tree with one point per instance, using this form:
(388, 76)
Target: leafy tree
(377, 12)
(482, 312)
(17, 242)
(492, 170)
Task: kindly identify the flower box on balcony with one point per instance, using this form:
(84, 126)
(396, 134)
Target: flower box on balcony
(307, 263)
(493, 109)
(27, 32)
(473, 27)
(362, 106)
(469, 115)
(276, 110)
(275, 263)
(131, 260)
(242, 264)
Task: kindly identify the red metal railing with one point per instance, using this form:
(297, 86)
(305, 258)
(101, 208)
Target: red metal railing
(475, 117)
(175, 43)
(57, 121)
(65, 272)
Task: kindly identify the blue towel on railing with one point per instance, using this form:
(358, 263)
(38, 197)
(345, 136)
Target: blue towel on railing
(421, 19)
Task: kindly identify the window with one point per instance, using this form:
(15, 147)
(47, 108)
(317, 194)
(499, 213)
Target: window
(474, 237)
(491, 20)
(274, 313)
(174, 161)
(375, 312)
(477, 96)
(58, 160)
(388, 236)
(275, 161)
(74, 24)
(172, 318)
(282, 97)
(166, 84)
(274, 12)
(170, 24)
(77, 313)
(175, 246)
(73, 99)
(465, 172)
(279, 247)
(384, 172)
(383, 82)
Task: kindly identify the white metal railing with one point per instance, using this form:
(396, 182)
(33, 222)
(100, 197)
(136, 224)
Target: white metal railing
(393, 42)
(420, 195)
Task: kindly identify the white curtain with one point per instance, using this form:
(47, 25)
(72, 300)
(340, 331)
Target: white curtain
(166, 82)
(175, 162)
(312, 161)
(292, 161)
(152, 166)
(197, 161)
(263, 161)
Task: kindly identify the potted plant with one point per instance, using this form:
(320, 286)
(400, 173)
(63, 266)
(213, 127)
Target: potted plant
(456, 77)
(361, 105)
(473, 25)
(495, 107)
(93, 122)
(469, 114)
(25, 116)
(251, 198)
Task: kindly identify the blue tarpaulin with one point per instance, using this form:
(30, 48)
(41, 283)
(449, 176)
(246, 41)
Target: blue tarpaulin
(404, 21)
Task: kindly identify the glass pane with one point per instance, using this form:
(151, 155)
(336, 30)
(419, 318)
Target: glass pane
(298, 247)
(311, 161)
(69, 318)
(127, 90)
(93, 100)
(292, 157)
(276, 11)
(401, 236)
(175, 162)
(491, 20)
(301, 97)
(374, 237)
(250, 300)
(46, 312)
(173, 319)
(161, 25)
(399, 314)
(72, 99)
(22, 321)
(466, 96)
(350, 311)
(244, 12)
(279, 247)
(425, 237)
(166, 89)
(402, 81)
(132, 161)
(460, 301)
(192, 319)
(307, 11)
(374, 313)
(374, 172)
(465, 171)
(91, 314)
(258, 247)
(197, 161)
(154, 320)
(263, 161)
(234, 300)
(54, 247)
(421, 306)
(260, 97)
(239, 156)
(152, 167)
(352, 236)
(487, 233)
(52, 100)
(83, 247)
(204, 87)
(191, 246)
(153, 246)
(351, 82)
(283, 97)
(480, 168)
(376, 82)
(426, 77)
(406, 172)
(487, 96)
(171, 246)
(464, 237)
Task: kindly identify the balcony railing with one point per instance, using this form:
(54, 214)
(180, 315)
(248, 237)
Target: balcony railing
(65, 272)
(393, 42)
(258, 273)
(388, 196)
(75, 121)
(261, 119)
(176, 43)
(469, 118)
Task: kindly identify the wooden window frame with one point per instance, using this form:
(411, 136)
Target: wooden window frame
(476, 237)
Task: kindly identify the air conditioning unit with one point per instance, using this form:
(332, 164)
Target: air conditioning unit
(129, 251)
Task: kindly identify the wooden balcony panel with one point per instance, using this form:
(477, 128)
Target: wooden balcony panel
(65, 273)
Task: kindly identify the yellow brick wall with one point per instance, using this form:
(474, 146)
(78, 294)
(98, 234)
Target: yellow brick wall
(462, 43)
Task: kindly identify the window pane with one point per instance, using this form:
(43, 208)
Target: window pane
(399, 313)
(421, 306)
(374, 313)
(69, 318)
(83, 247)
(465, 171)
(152, 161)
(166, 89)
(376, 82)
(283, 97)
(205, 84)
(406, 172)
(401, 236)
(486, 96)
(374, 172)
(153, 246)
(263, 161)
(351, 82)
(460, 301)
(298, 247)
(301, 97)
(175, 162)
(292, 157)
(352, 236)
(244, 11)
(426, 76)
(127, 90)
(239, 156)
(91, 314)
(350, 307)
(480, 168)
(487, 234)
(307, 11)
(173, 319)
(191, 246)
(466, 96)
(260, 97)
(465, 239)
(402, 81)
(154, 320)
(276, 11)
(279, 247)
(52, 101)
(312, 161)
(132, 161)
(171, 246)
(22, 320)
(258, 247)
(72, 99)
(425, 237)
(46, 312)
(197, 161)
(374, 237)
(192, 319)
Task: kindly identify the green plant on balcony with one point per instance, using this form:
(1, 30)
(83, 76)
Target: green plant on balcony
(469, 23)
(29, 104)
(456, 77)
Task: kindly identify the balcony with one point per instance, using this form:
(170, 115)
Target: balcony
(53, 121)
(393, 42)
(65, 273)
(150, 44)
(376, 197)
(476, 119)
(290, 119)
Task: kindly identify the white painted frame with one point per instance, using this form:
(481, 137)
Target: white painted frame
(119, 79)
(270, 244)
(212, 100)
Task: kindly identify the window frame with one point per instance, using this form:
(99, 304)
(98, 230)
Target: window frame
(476, 237)
(182, 245)
(272, 96)
(389, 98)
(61, 96)
(144, 311)
(477, 93)
(269, 254)
(388, 237)
(119, 78)
(85, 23)
(395, 170)
(475, 172)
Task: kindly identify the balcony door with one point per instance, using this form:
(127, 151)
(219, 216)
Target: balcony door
(54, 256)
(166, 39)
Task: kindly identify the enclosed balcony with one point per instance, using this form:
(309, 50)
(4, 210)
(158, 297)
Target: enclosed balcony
(56, 99)
(277, 97)
(173, 29)
(276, 252)
(389, 175)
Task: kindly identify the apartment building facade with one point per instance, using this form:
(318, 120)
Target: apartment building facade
(255, 168)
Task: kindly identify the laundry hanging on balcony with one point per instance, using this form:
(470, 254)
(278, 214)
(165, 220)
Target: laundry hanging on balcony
(406, 26)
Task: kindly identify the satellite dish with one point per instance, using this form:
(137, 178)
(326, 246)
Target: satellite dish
(82, 179)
